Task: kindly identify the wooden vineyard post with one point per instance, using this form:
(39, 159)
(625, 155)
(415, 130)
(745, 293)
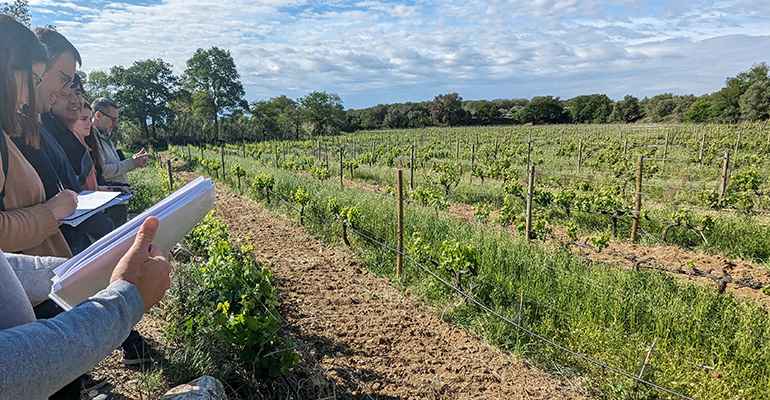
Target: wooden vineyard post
(223, 160)
(371, 161)
(702, 145)
(496, 137)
(189, 156)
(411, 169)
(725, 178)
(530, 189)
(170, 176)
(201, 152)
(473, 159)
(529, 149)
(275, 152)
(738, 143)
(665, 149)
(580, 156)
(457, 152)
(638, 204)
(400, 243)
(341, 184)
(625, 146)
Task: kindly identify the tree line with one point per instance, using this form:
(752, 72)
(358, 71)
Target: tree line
(745, 97)
(206, 103)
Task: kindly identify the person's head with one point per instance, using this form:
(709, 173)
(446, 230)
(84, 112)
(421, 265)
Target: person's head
(82, 126)
(62, 59)
(22, 66)
(67, 107)
(105, 112)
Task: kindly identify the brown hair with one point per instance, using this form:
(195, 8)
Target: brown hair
(20, 49)
(93, 142)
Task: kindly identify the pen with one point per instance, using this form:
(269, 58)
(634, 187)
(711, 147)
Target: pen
(60, 186)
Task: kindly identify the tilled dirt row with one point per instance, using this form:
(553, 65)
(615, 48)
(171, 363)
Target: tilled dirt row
(361, 338)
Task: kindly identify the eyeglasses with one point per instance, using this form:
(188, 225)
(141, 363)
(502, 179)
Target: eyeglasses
(38, 79)
(113, 119)
(68, 78)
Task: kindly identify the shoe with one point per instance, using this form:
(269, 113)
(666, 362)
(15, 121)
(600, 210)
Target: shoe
(88, 383)
(103, 396)
(136, 350)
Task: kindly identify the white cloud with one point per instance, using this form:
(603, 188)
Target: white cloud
(382, 51)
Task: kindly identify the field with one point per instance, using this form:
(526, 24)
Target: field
(632, 328)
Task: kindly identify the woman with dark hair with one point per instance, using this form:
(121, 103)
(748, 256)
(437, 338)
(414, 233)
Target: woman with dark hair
(82, 130)
(28, 223)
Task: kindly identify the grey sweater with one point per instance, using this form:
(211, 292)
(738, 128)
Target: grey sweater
(114, 169)
(37, 358)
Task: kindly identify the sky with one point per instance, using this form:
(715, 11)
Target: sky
(381, 52)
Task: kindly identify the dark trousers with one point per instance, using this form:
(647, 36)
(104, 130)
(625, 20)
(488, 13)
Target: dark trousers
(118, 214)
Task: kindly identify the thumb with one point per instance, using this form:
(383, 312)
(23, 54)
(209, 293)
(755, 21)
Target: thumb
(146, 234)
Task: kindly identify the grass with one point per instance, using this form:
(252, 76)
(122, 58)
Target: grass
(609, 314)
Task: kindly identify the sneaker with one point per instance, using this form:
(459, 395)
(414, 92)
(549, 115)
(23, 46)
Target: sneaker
(136, 350)
(104, 396)
(88, 383)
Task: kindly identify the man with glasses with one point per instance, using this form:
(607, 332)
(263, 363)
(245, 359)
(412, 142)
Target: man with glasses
(115, 168)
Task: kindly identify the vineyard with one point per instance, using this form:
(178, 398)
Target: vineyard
(634, 329)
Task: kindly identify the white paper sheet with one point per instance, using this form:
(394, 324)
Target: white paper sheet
(93, 207)
(88, 272)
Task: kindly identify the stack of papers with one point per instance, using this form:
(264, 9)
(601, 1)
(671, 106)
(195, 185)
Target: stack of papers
(89, 272)
(91, 202)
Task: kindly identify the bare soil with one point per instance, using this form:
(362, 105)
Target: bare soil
(358, 336)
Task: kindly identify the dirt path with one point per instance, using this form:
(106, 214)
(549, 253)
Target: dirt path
(371, 340)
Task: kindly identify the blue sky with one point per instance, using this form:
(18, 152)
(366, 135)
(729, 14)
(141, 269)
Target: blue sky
(371, 52)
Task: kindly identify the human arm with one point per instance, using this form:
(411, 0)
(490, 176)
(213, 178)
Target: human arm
(38, 358)
(26, 227)
(34, 273)
(140, 158)
(113, 166)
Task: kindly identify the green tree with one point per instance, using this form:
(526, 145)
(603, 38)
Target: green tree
(144, 91)
(543, 110)
(728, 100)
(446, 109)
(324, 112)
(100, 84)
(486, 112)
(591, 109)
(626, 110)
(19, 9)
(702, 110)
(657, 108)
(755, 102)
(212, 78)
(273, 118)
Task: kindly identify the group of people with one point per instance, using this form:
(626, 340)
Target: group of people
(54, 145)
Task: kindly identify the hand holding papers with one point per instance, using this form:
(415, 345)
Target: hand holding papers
(89, 272)
(91, 202)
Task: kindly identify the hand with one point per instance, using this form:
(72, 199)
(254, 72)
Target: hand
(147, 271)
(63, 204)
(140, 158)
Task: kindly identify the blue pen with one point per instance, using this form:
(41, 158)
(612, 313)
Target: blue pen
(149, 249)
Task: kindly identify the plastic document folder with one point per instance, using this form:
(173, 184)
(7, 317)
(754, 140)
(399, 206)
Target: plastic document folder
(90, 203)
(89, 272)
